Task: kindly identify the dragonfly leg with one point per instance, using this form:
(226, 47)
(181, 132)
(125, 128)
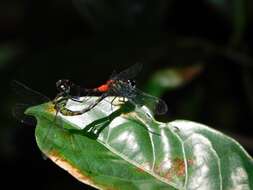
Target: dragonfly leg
(60, 106)
(112, 104)
(93, 105)
(76, 100)
(67, 112)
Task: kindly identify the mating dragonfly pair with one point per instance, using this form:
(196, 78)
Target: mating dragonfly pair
(118, 85)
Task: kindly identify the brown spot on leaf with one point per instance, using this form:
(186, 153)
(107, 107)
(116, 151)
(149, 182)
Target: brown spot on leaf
(170, 168)
(179, 167)
(140, 169)
(64, 164)
(168, 176)
(190, 162)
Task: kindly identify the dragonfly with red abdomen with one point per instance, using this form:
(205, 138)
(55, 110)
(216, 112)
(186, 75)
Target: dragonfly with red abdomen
(119, 85)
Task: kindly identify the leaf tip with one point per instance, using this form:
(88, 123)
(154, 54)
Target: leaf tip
(47, 107)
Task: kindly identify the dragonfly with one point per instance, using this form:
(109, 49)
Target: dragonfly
(29, 97)
(118, 85)
(66, 91)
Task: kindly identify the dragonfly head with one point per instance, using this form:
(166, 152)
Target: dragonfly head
(131, 83)
(64, 85)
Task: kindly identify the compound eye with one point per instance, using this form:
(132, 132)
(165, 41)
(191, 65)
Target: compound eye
(63, 87)
(131, 83)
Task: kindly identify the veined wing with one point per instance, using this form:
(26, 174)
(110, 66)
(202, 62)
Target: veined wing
(29, 97)
(128, 73)
(155, 104)
(137, 97)
(25, 97)
(26, 94)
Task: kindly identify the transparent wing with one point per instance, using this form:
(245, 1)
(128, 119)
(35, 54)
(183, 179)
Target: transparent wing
(157, 105)
(129, 73)
(18, 113)
(137, 97)
(114, 73)
(26, 94)
(25, 97)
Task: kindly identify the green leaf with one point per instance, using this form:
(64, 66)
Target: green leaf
(122, 148)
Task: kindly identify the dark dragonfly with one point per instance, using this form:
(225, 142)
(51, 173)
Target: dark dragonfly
(27, 97)
(119, 85)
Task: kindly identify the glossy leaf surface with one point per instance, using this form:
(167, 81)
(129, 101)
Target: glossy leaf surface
(120, 148)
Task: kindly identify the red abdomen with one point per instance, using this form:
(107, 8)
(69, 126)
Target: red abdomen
(103, 88)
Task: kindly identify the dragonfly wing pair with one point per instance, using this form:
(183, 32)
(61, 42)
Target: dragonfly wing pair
(25, 97)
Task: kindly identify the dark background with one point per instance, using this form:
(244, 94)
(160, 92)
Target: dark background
(82, 40)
